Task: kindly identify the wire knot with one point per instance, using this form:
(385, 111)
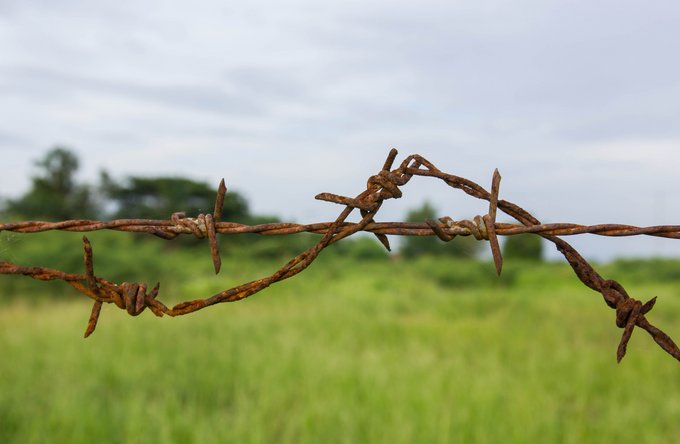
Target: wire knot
(476, 227)
(132, 297)
(204, 225)
(481, 227)
(199, 226)
(389, 183)
(379, 187)
(629, 312)
(386, 186)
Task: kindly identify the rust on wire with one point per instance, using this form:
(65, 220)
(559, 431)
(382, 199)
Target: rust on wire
(134, 297)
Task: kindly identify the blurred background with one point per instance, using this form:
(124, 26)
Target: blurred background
(118, 110)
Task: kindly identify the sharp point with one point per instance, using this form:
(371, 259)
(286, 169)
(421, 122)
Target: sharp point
(499, 267)
(390, 159)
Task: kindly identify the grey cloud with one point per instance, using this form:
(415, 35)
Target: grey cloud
(48, 82)
(12, 141)
(647, 124)
(266, 84)
(553, 65)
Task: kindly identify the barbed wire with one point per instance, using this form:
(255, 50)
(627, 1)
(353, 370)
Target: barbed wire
(136, 297)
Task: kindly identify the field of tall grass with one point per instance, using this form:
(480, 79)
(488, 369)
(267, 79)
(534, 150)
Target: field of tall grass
(433, 350)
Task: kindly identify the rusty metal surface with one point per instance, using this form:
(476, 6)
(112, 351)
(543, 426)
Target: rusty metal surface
(135, 297)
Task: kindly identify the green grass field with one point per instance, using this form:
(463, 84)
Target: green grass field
(353, 352)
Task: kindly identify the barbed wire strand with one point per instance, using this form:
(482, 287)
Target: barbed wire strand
(135, 297)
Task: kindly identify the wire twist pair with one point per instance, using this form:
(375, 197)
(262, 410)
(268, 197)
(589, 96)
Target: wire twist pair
(132, 297)
(481, 227)
(629, 313)
(202, 226)
(135, 297)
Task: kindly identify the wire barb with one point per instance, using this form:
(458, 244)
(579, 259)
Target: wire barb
(131, 297)
(490, 222)
(385, 185)
(203, 225)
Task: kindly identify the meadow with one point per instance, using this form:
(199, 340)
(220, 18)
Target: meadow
(350, 351)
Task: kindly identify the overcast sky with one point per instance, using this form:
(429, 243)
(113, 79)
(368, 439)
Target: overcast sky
(576, 102)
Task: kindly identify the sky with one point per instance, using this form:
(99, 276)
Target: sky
(577, 103)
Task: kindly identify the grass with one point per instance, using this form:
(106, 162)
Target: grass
(351, 352)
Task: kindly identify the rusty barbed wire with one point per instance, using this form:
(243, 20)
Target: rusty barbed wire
(135, 297)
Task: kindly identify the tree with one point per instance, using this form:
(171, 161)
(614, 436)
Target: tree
(54, 193)
(413, 246)
(159, 197)
(523, 246)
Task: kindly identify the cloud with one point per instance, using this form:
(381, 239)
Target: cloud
(37, 81)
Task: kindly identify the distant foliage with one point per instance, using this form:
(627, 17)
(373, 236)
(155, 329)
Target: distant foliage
(646, 270)
(159, 197)
(360, 248)
(527, 247)
(414, 246)
(54, 193)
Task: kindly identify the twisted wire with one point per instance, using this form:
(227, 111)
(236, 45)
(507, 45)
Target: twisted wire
(168, 229)
(135, 297)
